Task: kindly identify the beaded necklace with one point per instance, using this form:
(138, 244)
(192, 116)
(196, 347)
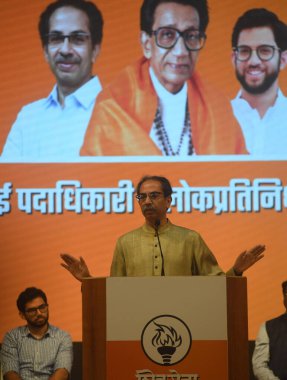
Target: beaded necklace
(162, 135)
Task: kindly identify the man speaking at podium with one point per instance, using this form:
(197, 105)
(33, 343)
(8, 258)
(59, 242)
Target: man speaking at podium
(160, 248)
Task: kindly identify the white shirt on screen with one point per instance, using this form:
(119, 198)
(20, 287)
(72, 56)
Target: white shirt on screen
(45, 129)
(173, 109)
(267, 135)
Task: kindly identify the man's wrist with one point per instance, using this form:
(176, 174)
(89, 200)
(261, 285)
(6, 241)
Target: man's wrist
(237, 272)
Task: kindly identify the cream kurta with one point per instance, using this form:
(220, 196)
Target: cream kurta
(185, 253)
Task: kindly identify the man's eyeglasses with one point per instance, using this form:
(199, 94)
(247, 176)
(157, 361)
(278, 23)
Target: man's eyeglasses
(264, 52)
(33, 310)
(75, 39)
(152, 196)
(167, 38)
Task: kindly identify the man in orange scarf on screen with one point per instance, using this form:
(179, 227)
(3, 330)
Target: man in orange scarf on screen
(160, 105)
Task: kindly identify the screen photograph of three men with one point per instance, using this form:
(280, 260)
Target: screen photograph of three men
(122, 80)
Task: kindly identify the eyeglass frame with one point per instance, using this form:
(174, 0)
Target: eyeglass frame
(62, 37)
(179, 34)
(33, 310)
(153, 195)
(274, 48)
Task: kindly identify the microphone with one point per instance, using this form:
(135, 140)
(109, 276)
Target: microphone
(156, 226)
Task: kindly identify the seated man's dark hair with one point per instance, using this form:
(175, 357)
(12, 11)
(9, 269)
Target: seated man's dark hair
(261, 17)
(149, 6)
(29, 295)
(94, 15)
(165, 184)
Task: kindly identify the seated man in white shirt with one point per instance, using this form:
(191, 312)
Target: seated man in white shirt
(37, 350)
(269, 357)
(54, 127)
(259, 42)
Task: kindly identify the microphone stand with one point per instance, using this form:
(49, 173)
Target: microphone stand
(156, 226)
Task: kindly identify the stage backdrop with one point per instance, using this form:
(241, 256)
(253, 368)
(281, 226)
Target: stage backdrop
(83, 207)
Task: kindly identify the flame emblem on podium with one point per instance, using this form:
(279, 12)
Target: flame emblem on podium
(166, 340)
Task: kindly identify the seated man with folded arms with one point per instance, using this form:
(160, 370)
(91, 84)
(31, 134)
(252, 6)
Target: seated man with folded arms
(37, 350)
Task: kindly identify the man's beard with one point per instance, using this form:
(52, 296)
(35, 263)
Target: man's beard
(261, 88)
(39, 322)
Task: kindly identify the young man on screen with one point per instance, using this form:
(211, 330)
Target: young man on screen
(54, 127)
(269, 357)
(160, 105)
(259, 42)
(181, 252)
(37, 350)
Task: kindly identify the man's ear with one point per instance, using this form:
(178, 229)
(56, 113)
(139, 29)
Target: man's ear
(22, 315)
(45, 51)
(283, 60)
(168, 199)
(146, 44)
(233, 58)
(96, 52)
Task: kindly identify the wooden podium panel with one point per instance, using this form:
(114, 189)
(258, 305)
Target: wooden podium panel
(165, 328)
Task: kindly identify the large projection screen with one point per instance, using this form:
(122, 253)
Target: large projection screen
(234, 202)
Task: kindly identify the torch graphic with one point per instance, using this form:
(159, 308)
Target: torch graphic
(166, 341)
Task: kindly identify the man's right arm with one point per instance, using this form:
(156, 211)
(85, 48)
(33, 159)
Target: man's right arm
(13, 145)
(11, 375)
(261, 355)
(118, 267)
(9, 358)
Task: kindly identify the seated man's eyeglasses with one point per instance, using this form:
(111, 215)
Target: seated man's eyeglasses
(264, 52)
(152, 196)
(33, 310)
(75, 39)
(166, 38)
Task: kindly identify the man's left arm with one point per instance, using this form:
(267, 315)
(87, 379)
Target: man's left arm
(246, 259)
(60, 374)
(63, 364)
(207, 263)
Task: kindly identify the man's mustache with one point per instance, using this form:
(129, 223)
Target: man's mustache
(148, 208)
(67, 60)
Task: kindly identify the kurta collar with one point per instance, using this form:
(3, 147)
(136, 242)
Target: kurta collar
(147, 228)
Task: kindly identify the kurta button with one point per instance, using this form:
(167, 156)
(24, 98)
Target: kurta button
(155, 245)
(156, 267)
(155, 257)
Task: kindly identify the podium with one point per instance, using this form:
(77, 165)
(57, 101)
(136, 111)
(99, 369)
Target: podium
(165, 328)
